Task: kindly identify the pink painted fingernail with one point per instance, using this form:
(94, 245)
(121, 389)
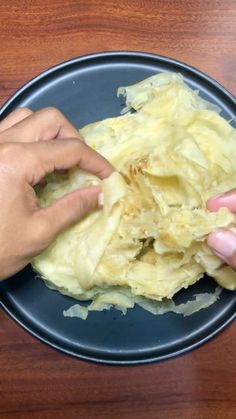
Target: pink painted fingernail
(222, 242)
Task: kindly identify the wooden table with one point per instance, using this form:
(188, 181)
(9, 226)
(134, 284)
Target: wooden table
(35, 380)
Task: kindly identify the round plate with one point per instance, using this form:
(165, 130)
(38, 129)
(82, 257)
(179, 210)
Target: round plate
(85, 90)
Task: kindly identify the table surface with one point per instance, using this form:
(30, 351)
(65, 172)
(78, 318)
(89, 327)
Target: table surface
(37, 381)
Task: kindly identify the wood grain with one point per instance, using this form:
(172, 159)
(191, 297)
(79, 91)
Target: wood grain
(35, 380)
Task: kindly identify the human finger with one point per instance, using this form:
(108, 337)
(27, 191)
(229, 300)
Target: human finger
(41, 158)
(46, 124)
(68, 210)
(14, 117)
(227, 199)
(223, 244)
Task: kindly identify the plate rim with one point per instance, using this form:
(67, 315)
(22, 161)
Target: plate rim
(123, 362)
(111, 54)
(88, 58)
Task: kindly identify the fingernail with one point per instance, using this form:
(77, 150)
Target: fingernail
(100, 200)
(223, 242)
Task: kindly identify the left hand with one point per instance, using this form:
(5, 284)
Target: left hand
(31, 146)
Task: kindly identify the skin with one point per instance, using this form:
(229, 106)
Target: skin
(33, 144)
(223, 241)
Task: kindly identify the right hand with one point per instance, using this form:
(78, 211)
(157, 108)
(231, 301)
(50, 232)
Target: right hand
(223, 241)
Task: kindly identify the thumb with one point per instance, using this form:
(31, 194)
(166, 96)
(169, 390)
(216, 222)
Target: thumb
(71, 208)
(223, 244)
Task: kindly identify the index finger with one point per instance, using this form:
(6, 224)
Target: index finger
(43, 125)
(46, 157)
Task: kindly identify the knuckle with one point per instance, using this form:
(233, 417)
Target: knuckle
(82, 207)
(87, 204)
(52, 113)
(18, 155)
(11, 160)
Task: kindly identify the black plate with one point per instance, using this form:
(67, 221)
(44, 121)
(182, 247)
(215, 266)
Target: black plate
(85, 90)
